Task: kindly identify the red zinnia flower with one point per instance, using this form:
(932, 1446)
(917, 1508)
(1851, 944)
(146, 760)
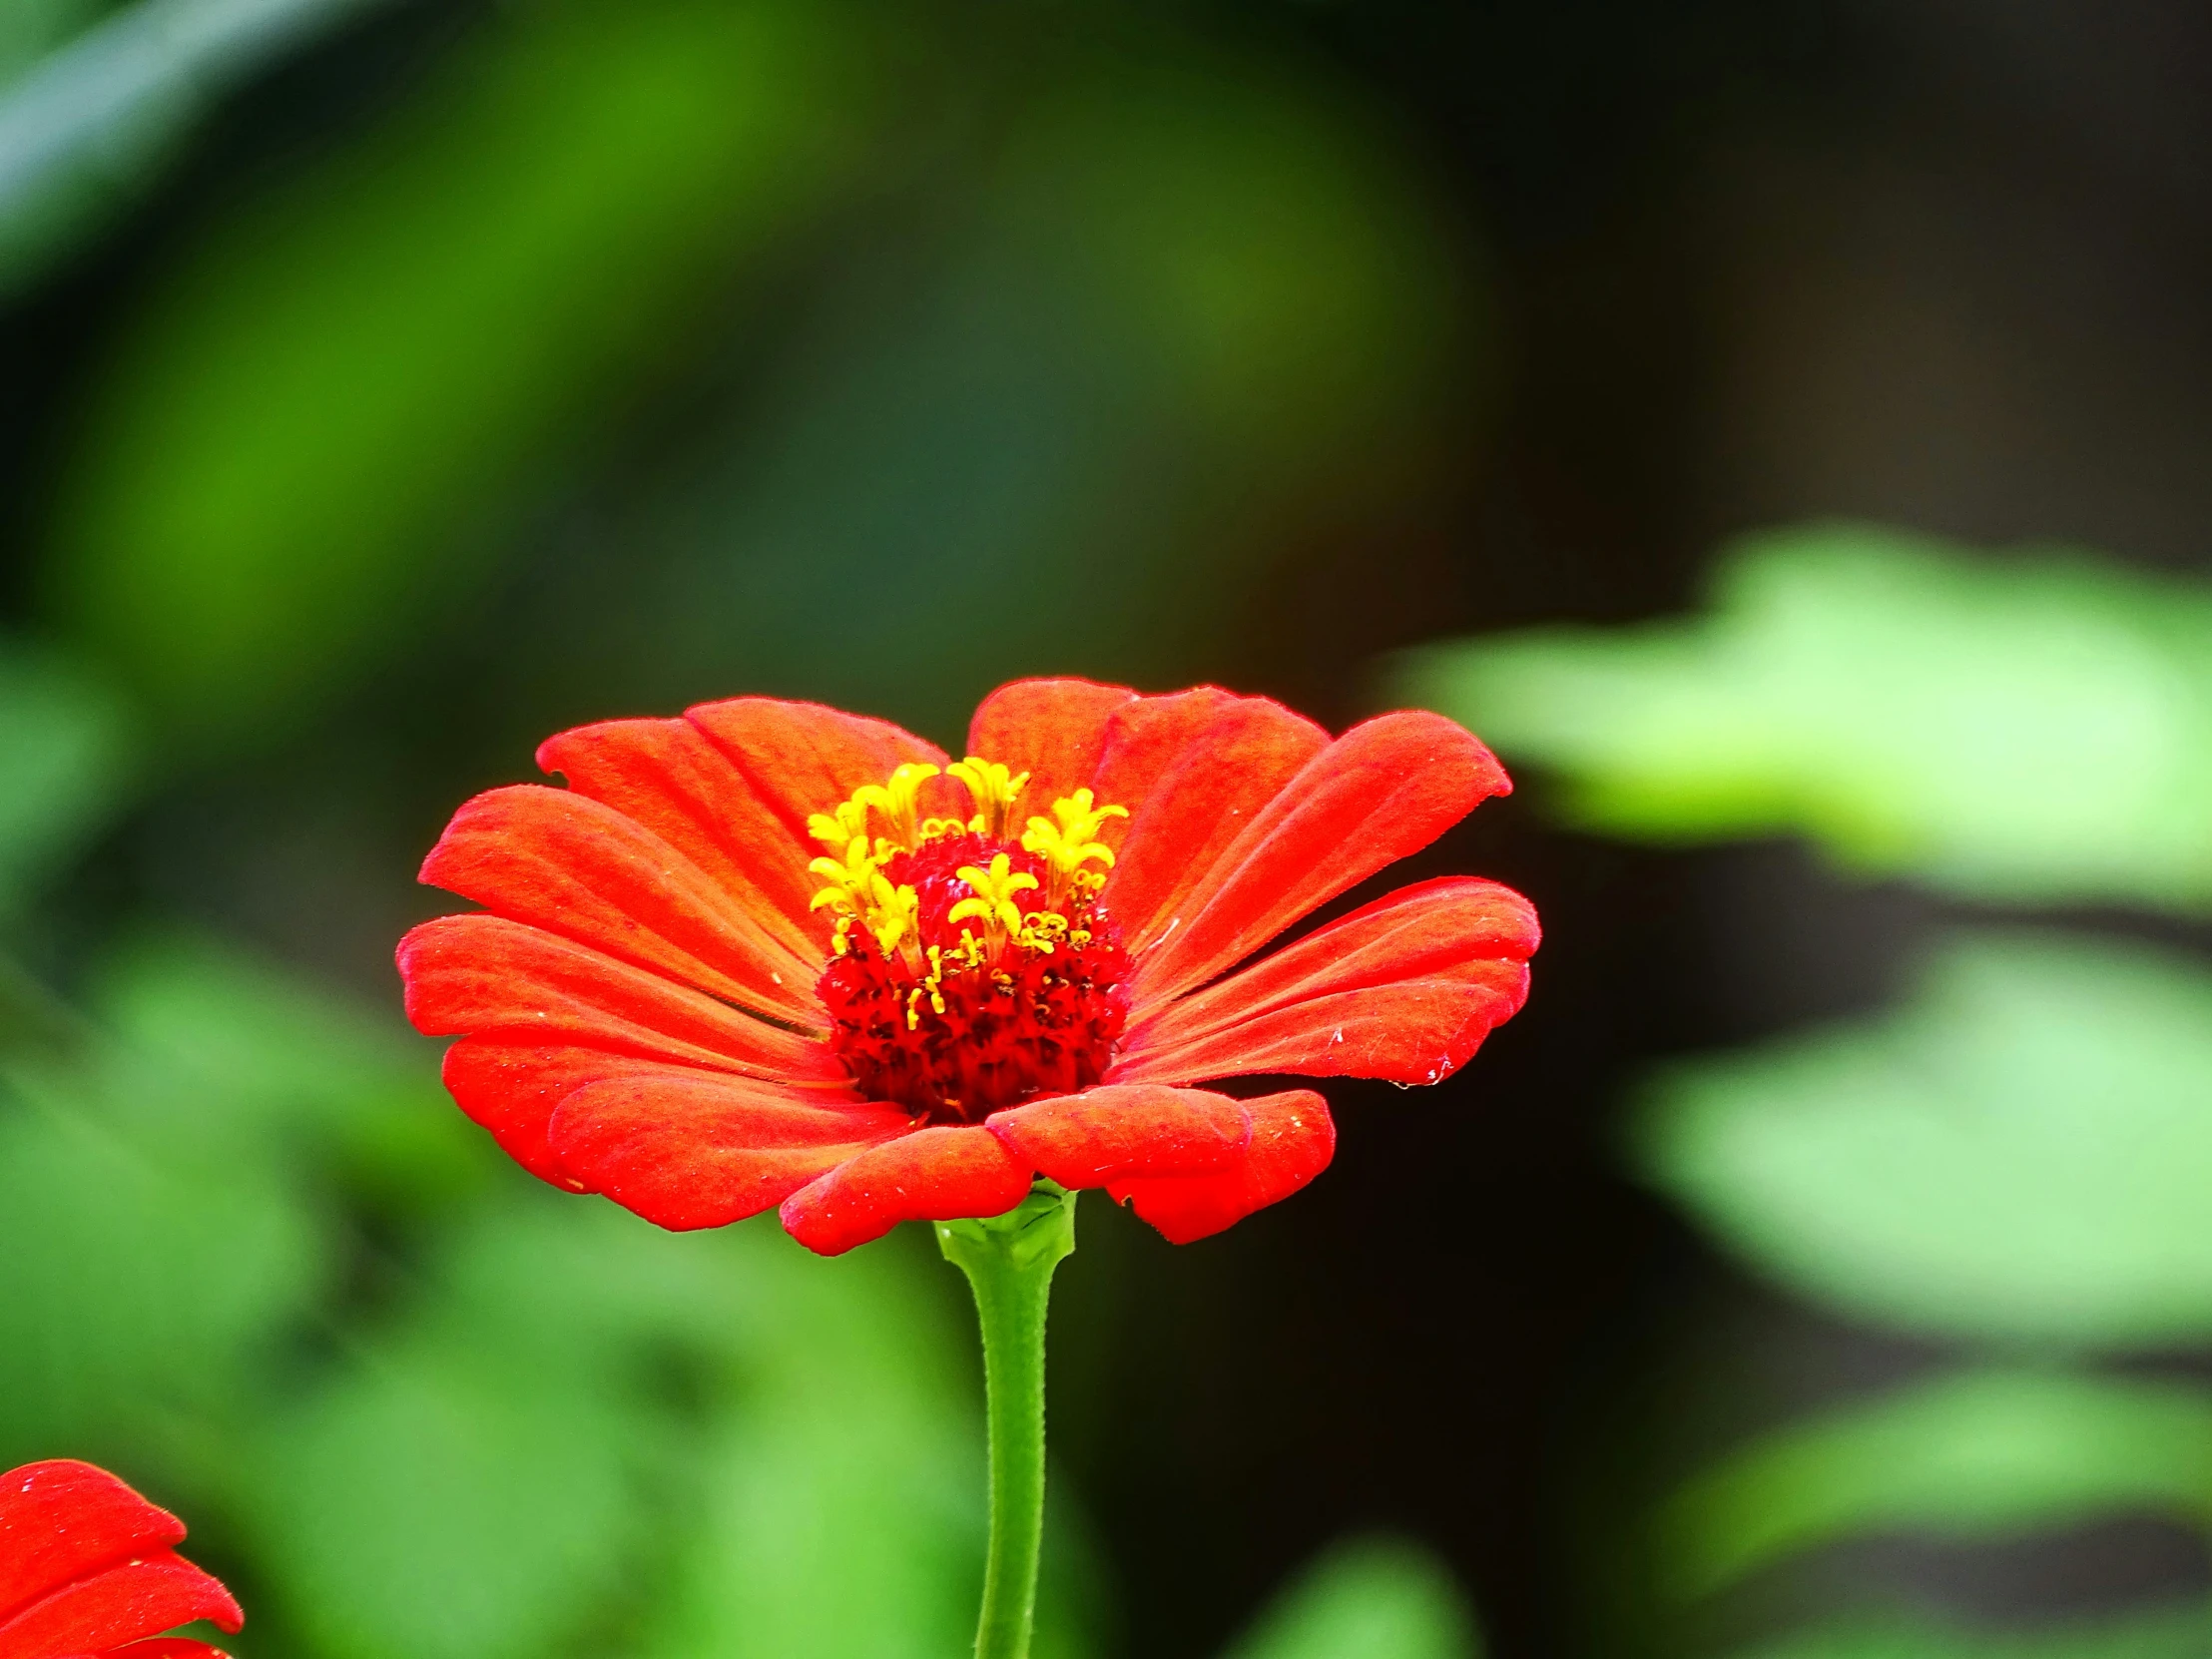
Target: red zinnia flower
(774, 954)
(86, 1571)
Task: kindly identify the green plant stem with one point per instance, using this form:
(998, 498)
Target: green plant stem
(1008, 1261)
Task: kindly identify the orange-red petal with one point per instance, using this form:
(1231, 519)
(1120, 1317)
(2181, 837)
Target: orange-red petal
(1105, 1134)
(1385, 789)
(513, 1090)
(688, 1151)
(940, 1173)
(563, 862)
(1403, 990)
(1195, 769)
(1053, 730)
(669, 778)
(804, 757)
(167, 1647)
(1292, 1141)
(134, 1598)
(483, 975)
(62, 1519)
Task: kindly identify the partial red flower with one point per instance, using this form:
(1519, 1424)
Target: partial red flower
(88, 1570)
(772, 953)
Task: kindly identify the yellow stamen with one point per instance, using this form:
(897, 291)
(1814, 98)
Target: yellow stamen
(861, 892)
(1068, 846)
(850, 882)
(895, 915)
(995, 891)
(847, 823)
(994, 789)
(895, 800)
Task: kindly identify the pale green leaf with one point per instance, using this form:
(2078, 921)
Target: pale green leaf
(1969, 1456)
(82, 125)
(2033, 726)
(1370, 1598)
(2025, 1151)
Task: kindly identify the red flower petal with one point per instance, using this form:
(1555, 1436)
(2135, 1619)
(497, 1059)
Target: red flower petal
(669, 778)
(563, 862)
(1051, 728)
(1088, 1139)
(700, 1151)
(1404, 990)
(62, 1519)
(1195, 769)
(803, 758)
(514, 1089)
(486, 976)
(1385, 789)
(167, 1647)
(138, 1598)
(938, 1174)
(1292, 1142)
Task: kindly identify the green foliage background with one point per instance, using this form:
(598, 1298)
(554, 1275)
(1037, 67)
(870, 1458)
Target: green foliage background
(2014, 1161)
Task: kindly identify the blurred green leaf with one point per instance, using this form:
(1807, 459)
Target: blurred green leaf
(2038, 727)
(2168, 1633)
(64, 762)
(81, 127)
(826, 1530)
(301, 443)
(141, 1279)
(454, 1494)
(209, 1037)
(31, 28)
(2023, 1152)
(1370, 1598)
(1970, 1456)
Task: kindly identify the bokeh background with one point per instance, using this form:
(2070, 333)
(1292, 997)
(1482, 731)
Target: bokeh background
(1784, 430)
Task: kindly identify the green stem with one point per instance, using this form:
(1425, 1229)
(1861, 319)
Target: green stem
(1008, 1261)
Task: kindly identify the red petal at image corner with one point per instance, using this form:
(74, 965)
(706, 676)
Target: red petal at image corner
(87, 1570)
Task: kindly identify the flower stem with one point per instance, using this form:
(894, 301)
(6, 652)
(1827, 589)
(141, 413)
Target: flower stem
(1008, 1261)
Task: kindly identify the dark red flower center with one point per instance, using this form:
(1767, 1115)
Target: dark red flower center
(973, 970)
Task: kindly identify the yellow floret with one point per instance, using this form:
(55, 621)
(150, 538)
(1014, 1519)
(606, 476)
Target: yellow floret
(994, 789)
(1068, 846)
(995, 891)
(895, 800)
(846, 824)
